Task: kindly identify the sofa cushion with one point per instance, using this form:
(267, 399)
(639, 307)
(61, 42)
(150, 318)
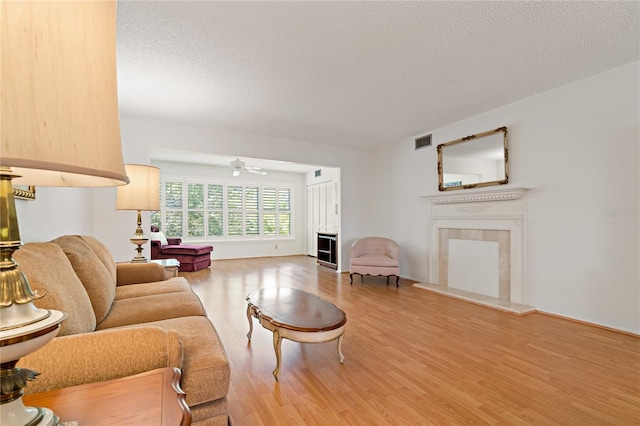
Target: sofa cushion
(379, 260)
(172, 285)
(189, 249)
(95, 277)
(103, 254)
(49, 271)
(206, 371)
(137, 273)
(154, 307)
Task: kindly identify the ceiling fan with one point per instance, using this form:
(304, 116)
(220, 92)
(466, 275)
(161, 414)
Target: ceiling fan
(239, 166)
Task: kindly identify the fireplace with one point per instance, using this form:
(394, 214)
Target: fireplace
(477, 248)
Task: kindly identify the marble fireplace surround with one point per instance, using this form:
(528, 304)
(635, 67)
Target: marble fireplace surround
(476, 216)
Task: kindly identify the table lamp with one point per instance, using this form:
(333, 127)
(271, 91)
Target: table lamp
(59, 126)
(142, 194)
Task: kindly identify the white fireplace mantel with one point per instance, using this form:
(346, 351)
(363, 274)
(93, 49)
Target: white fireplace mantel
(498, 209)
(503, 194)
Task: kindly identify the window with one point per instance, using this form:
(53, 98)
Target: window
(173, 212)
(252, 211)
(234, 211)
(195, 210)
(215, 222)
(277, 211)
(219, 211)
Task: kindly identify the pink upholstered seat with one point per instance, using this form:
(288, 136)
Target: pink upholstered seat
(192, 257)
(376, 256)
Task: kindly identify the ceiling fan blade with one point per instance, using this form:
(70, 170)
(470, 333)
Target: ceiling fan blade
(257, 172)
(237, 164)
(236, 172)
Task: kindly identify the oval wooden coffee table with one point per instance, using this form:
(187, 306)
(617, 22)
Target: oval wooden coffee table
(295, 315)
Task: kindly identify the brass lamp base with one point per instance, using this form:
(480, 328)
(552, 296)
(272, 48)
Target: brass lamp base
(24, 328)
(139, 241)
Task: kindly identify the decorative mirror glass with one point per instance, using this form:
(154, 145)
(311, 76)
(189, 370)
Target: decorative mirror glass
(473, 161)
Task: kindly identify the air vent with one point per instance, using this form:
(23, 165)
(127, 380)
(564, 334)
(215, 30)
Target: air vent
(318, 172)
(423, 141)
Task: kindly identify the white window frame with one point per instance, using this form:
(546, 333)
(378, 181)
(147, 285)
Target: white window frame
(225, 209)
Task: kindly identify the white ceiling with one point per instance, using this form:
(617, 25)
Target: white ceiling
(225, 161)
(357, 74)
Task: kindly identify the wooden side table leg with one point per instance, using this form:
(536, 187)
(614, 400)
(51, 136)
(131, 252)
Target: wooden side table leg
(277, 343)
(250, 323)
(340, 355)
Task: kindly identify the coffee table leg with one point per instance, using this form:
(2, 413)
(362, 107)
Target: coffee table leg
(340, 356)
(277, 342)
(250, 323)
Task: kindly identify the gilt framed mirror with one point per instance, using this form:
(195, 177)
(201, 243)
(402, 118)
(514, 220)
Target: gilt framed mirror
(474, 161)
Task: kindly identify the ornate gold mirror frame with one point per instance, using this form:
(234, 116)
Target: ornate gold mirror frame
(474, 161)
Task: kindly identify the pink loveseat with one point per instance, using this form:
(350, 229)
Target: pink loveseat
(192, 257)
(374, 256)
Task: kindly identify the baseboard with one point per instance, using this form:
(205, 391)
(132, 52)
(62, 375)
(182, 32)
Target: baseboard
(591, 324)
(489, 302)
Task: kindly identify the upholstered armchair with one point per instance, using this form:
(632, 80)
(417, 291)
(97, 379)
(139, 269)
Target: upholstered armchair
(374, 256)
(192, 257)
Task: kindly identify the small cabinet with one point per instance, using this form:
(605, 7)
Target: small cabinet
(327, 250)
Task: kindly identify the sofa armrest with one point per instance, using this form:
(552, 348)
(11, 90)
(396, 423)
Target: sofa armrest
(355, 251)
(393, 251)
(138, 273)
(102, 355)
(174, 241)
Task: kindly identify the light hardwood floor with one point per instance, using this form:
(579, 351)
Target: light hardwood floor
(413, 357)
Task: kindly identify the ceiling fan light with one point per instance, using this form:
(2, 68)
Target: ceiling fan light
(239, 166)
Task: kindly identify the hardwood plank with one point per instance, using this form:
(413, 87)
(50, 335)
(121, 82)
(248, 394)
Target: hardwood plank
(415, 357)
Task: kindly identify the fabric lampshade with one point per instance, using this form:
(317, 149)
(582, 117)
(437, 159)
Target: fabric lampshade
(142, 193)
(59, 124)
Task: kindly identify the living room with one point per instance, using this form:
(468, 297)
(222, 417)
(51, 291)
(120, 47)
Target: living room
(573, 145)
(582, 253)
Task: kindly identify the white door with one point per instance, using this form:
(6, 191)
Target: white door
(311, 232)
(321, 213)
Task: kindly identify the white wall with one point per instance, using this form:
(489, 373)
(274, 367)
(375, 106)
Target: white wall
(55, 212)
(577, 148)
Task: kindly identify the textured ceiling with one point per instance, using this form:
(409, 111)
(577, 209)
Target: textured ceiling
(357, 74)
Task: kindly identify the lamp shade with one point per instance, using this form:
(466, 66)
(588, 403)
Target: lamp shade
(143, 192)
(59, 121)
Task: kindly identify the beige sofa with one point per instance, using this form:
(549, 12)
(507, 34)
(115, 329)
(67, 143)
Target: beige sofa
(123, 319)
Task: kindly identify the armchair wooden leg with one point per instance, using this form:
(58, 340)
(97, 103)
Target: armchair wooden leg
(397, 280)
(351, 279)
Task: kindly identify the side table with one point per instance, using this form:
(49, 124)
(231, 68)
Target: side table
(147, 399)
(171, 266)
